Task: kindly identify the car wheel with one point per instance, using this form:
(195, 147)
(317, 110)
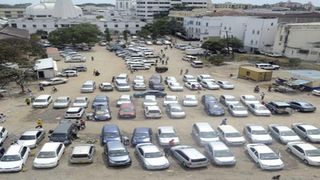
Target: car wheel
(289, 150)
(307, 139)
(184, 164)
(306, 161)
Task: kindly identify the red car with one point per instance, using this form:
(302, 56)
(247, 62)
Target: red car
(127, 110)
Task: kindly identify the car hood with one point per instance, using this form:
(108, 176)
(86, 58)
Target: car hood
(119, 158)
(209, 139)
(79, 104)
(274, 162)
(235, 139)
(160, 161)
(60, 104)
(240, 112)
(45, 160)
(315, 158)
(263, 137)
(290, 138)
(266, 111)
(314, 137)
(27, 142)
(12, 164)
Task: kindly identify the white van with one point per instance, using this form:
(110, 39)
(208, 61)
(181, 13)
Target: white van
(197, 64)
(42, 101)
(152, 112)
(88, 87)
(267, 66)
(189, 58)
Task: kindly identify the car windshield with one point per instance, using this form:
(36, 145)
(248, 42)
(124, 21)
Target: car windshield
(8, 158)
(79, 101)
(40, 100)
(124, 99)
(27, 137)
(153, 155)
(141, 135)
(211, 134)
(250, 98)
(259, 132)
(287, 133)
(46, 154)
(239, 108)
(168, 135)
(230, 98)
(100, 100)
(127, 109)
(86, 86)
(313, 132)
(116, 153)
(234, 134)
(171, 98)
(223, 153)
(268, 156)
(112, 135)
(176, 109)
(313, 153)
(190, 99)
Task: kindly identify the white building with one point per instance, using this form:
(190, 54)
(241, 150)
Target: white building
(52, 14)
(256, 33)
(298, 40)
(146, 9)
(46, 68)
(124, 5)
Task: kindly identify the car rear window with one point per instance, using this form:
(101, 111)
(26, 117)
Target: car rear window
(80, 156)
(199, 160)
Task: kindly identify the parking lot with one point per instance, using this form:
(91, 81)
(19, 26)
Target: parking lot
(22, 117)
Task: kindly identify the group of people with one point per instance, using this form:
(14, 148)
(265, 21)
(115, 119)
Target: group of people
(186, 71)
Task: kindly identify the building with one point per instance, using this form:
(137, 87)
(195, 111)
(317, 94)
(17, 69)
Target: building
(298, 40)
(10, 32)
(49, 15)
(12, 12)
(256, 33)
(124, 5)
(147, 9)
(229, 5)
(46, 68)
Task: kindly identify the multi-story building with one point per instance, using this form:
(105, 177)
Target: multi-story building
(229, 5)
(12, 12)
(298, 40)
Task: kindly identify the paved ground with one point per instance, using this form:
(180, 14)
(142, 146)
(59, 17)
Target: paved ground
(22, 117)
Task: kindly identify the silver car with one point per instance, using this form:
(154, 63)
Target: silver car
(149, 100)
(151, 157)
(257, 134)
(116, 154)
(175, 111)
(190, 100)
(32, 138)
(189, 157)
(308, 153)
(283, 133)
(83, 153)
(237, 110)
(307, 131)
(81, 102)
(62, 102)
(203, 133)
(258, 109)
(220, 154)
(165, 134)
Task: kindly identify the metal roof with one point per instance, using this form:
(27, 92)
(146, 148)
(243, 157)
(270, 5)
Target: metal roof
(306, 74)
(47, 63)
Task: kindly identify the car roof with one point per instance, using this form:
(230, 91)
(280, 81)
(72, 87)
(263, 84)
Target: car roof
(153, 107)
(100, 97)
(188, 76)
(30, 132)
(304, 146)
(82, 98)
(171, 96)
(150, 97)
(256, 127)
(166, 129)
(50, 146)
(148, 147)
(13, 149)
(63, 97)
(106, 83)
(228, 96)
(141, 129)
(89, 82)
(190, 96)
(81, 149)
(307, 126)
(204, 126)
(281, 103)
(261, 148)
(110, 128)
(74, 109)
(227, 128)
(282, 127)
(113, 145)
(190, 152)
(205, 75)
(43, 96)
(218, 145)
(126, 96)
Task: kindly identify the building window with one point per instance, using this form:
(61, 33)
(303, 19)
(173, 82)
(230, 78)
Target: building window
(229, 28)
(258, 32)
(116, 25)
(44, 25)
(24, 26)
(34, 26)
(256, 42)
(253, 31)
(112, 14)
(105, 25)
(281, 38)
(56, 25)
(271, 24)
(137, 25)
(14, 25)
(251, 42)
(248, 73)
(225, 28)
(127, 25)
(207, 24)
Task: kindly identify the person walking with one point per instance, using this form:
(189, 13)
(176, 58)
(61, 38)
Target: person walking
(181, 71)
(94, 72)
(41, 87)
(39, 123)
(28, 101)
(187, 71)
(112, 79)
(224, 121)
(166, 62)
(92, 58)
(262, 96)
(162, 62)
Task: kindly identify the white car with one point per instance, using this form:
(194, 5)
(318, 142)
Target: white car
(189, 78)
(264, 156)
(228, 99)
(316, 92)
(203, 133)
(257, 134)
(190, 101)
(81, 102)
(238, 110)
(150, 100)
(151, 157)
(42, 101)
(165, 134)
(14, 159)
(249, 99)
(175, 86)
(49, 155)
(189, 157)
(3, 134)
(308, 153)
(220, 154)
(205, 77)
(170, 99)
(170, 79)
(54, 81)
(62, 102)
(32, 138)
(230, 135)
(225, 85)
(139, 79)
(125, 98)
(307, 131)
(68, 73)
(283, 133)
(83, 153)
(106, 86)
(139, 86)
(211, 85)
(122, 85)
(192, 85)
(152, 112)
(74, 112)
(259, 109)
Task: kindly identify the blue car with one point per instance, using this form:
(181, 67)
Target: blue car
(141, 135)
(208, 98)
(110, 132)
(100, 100)
(214, 109)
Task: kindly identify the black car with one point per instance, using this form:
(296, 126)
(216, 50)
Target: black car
(302, 106)
(149, 92)
(80, 68)
(156, 86)
(213, 109)
(208, 98)
(279, 107)
(155, 82)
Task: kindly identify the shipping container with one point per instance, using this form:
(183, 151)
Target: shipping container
(255, 74)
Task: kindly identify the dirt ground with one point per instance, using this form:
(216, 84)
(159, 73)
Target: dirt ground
(22, 117)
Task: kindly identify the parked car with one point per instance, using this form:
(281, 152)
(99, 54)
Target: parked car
(68, 73)
(175, 111)
(170, 79)
(139, 86)
(152, 112)
(88, 87)
(62, 102)
(302, 106)
(110, 132)
(64, 132)
(208, 98)
(205, 77)
(209, 85)
(149, 100)
(203, 133)
(308, 153)
(54, 81)
(230, 135)
(264, 156)
(165, 134)
(122, 85)
(228, 99)
(124, 98)
(225, 85)
(257, 134)
(249, 99)
(100, 100)
(149, 92)
(283, 133)
(138, 79)
(82, 154)
(307, 131)
(116, 154)
(49, 155)
(151, 157)
(101, 113)
(127, 110)
(170, 99)
(81, 102)
(141, 135)
(3, 135)
(190, 101)
(189, 157)
(192, 85)
(220, 154)
(14, 158)
(74, 112)
(238, 110)
(259, 109)
(189, 78)
(316, 92)
(213, 109)
(32, 138)
(106, 86)
(42, 101)
(279, 107)
(175, 86)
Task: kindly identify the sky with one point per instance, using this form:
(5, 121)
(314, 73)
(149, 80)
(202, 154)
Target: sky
(315, 2)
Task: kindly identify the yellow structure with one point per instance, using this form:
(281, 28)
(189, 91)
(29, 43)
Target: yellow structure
(255, 74)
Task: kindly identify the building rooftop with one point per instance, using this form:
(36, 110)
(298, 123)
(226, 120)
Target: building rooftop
(10, 32)
(44, 64)
(306, 74)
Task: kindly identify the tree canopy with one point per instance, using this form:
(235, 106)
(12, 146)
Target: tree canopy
(107, 35)
(80, 33)
(218, 44)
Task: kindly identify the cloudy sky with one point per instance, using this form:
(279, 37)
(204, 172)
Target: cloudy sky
(315, 2)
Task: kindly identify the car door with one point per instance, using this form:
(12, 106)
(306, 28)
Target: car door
(254, 154)
(275, 132)
(39, 136)
(248, 133)
(140, 154)
(301, 131)
(298, 151)
(60, 151)
(24, 154)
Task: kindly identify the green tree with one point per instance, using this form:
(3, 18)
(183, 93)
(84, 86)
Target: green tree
(99, 17)
(107, 35)
(234, 42)
(125, 34)
(20, 77)
(213, 44)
